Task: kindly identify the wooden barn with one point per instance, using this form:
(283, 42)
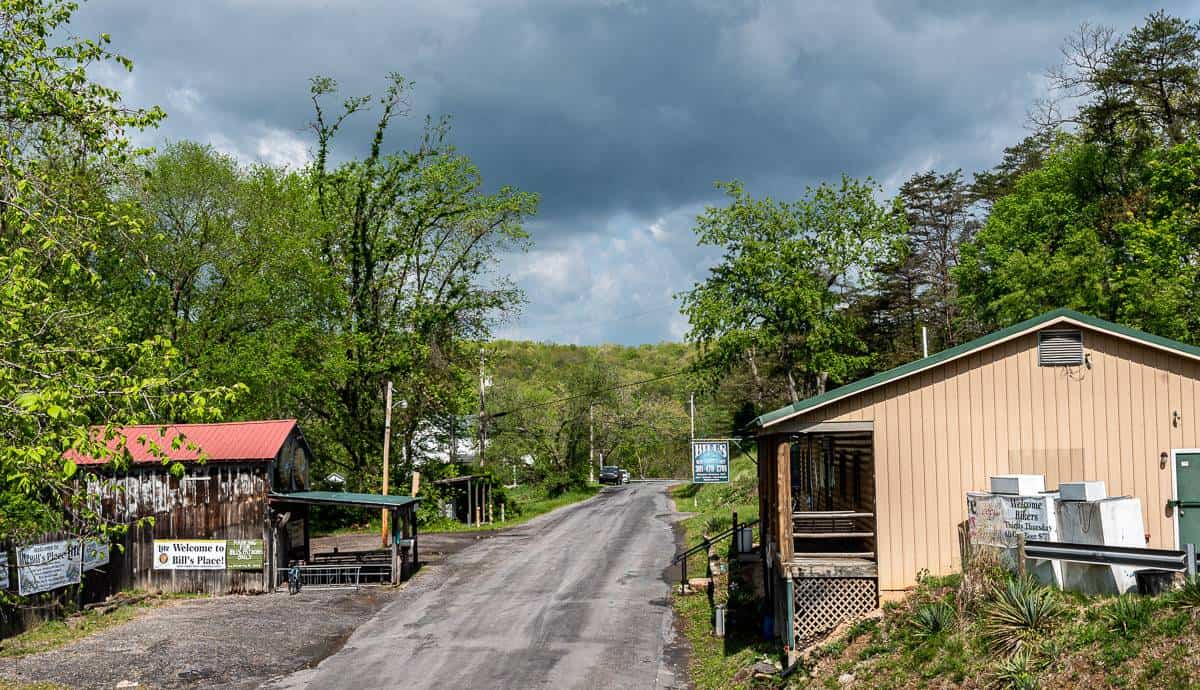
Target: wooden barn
(862, 487)
(212, 530)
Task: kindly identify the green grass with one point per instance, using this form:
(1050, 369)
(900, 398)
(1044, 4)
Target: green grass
(530, 501)
(1017, 635)
(713, 662)
(21, 685)
(54, 634)
(525, 503)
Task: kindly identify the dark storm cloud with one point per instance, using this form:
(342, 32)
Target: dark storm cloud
(620, 114)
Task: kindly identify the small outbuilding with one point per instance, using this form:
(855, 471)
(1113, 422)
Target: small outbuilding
(235, 518)
(862, 487)
(211, 528)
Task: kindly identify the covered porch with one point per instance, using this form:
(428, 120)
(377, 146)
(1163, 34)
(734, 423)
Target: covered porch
(389, 564)
(817, 499)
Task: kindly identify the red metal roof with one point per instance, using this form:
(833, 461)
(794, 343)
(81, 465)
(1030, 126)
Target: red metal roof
(226, 442)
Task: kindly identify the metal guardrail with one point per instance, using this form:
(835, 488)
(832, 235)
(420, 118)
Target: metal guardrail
(1099, 554)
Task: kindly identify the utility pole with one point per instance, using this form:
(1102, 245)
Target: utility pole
(482, 403)
(692, 406)
(387, 443)
(591, 444)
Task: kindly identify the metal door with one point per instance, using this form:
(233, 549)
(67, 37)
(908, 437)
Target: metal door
(1187, 496)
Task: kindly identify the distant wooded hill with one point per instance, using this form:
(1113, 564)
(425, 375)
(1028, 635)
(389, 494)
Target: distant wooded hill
(628, 404)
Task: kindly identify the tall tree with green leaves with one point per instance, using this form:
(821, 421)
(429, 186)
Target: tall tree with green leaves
(787, 280)
(413, 242)
(1138, 89)
(67, 361)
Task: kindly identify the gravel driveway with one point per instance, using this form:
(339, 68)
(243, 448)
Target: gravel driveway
(230, 641)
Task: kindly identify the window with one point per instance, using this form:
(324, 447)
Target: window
(1060, 348)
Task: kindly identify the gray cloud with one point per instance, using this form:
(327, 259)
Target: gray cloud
(620, 114)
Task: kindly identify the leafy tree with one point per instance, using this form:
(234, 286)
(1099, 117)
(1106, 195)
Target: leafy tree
(1158, 280)
(989, 186)
(412, 241)
(787, 278)
(1048, 244)
(68, 361)
(1136, 89)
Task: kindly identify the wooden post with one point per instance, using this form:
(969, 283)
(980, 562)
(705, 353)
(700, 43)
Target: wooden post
(416, 560)
(736, 546)
(1021, 554)
(783, 491)
(489, 502)
(387, 441)
(683, 576)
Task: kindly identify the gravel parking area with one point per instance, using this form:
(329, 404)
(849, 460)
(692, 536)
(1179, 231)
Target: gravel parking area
(231, 641)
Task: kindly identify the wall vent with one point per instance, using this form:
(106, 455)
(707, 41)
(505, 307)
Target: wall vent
(1060, 348)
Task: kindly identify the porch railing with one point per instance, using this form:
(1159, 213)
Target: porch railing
(838, 528)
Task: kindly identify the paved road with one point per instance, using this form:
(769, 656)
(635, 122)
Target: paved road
(573, 599)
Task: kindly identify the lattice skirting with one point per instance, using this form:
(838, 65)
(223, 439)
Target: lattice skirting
(820, 604)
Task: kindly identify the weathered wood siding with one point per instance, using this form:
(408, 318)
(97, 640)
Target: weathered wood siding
(943, 432)
(210, 501)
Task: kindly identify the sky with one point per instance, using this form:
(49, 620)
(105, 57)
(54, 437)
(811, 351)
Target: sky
(620, 114)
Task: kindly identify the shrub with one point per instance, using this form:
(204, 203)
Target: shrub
(1017, 671)
(933, 619)
(1020, 612)
(1188, 596)
(983, 571)
(1127, 614)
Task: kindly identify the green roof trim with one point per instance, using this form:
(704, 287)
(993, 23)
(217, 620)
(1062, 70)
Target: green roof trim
(344, 498)
(957, 351)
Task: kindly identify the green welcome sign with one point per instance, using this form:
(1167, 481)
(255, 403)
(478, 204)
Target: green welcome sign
(244, 554)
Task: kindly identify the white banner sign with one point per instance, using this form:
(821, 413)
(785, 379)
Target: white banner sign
(3, 570)
(189, 554)
(43, 567)
(996, 520)
(95, 553)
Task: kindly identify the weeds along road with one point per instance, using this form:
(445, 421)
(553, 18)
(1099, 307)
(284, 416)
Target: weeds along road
(572, 599)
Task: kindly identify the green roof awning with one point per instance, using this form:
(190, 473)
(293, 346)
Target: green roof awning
(343, 498)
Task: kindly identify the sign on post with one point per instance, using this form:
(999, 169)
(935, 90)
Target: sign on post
(710, 462)
(43, 567)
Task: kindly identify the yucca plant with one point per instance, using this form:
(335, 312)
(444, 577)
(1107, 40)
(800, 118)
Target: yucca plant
(931, 619)
(1127, 614)
(1017, 672)
(1020, 612)
(1188, 596)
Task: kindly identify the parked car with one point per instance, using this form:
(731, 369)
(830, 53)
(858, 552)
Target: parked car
(624, 476)
(610, 474)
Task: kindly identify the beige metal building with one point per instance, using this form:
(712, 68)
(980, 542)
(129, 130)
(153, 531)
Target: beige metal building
(863, 487)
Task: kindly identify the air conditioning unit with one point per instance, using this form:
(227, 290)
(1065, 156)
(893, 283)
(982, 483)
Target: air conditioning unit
(1019, 484)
